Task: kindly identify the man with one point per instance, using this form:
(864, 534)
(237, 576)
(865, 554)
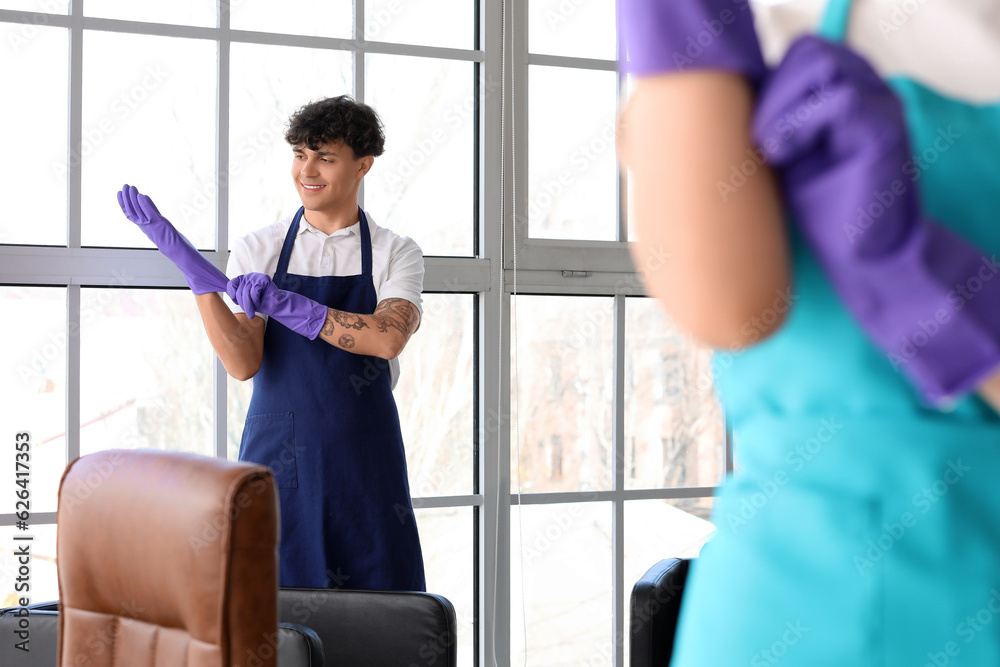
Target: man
(341, 297)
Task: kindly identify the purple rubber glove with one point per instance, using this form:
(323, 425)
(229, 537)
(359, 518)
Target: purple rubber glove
(201, 275)
(660, 36)
(837, 134)
(257, 293)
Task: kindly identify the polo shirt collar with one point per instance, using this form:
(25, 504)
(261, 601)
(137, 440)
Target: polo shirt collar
(305, 227)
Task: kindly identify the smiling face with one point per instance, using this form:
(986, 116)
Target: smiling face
(328, 179)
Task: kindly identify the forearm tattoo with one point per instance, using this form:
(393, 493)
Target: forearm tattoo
(392, 314)
(349, 320)
(398, 314)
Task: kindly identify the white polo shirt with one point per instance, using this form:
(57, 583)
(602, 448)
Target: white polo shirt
(397, 261)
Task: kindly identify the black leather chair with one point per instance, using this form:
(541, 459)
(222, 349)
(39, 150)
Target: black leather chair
(384, 628)
(653, 610)
(40, 625)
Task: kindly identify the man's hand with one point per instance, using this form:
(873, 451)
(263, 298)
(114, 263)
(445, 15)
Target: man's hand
(383, 334)
(201, 275)
(248, 291)
(257, 293)
(139, 208)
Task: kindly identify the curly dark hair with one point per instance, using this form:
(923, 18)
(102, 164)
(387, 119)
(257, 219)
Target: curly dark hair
(337, 119)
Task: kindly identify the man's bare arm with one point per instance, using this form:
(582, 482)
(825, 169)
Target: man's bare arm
(383, 334)
(238, 340)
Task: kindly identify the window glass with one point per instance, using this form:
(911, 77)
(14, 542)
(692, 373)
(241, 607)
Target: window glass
(46, 6)
(33, 174)
(434, 396)
(572, 165)
(269, 83)
(566, 555)
(297, 17)
(446, 539)
(423, 186)
(152, 125)
(563, 398)
(145, 372)
(182, 12)
(33, 389)
(448, 23)
(584, 29)
(674, 427)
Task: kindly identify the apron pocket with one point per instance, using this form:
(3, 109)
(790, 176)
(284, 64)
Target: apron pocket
(269, 439)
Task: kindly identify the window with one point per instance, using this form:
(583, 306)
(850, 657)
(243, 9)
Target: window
(545, 432)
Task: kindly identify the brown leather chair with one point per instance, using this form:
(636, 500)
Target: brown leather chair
(167, 559)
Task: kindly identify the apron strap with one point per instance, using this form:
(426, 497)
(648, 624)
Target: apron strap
(833, 26)
(286, 248)
(366, 244)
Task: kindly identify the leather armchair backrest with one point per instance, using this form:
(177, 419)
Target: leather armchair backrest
(384, 628)
(167, 559)
(654, 609)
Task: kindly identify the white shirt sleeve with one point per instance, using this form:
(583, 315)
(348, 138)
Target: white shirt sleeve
(405, 273)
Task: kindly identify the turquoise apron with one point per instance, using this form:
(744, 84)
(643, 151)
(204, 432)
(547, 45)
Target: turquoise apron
(861, 527)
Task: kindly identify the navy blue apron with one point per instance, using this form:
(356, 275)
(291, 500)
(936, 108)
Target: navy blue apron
(325, 422)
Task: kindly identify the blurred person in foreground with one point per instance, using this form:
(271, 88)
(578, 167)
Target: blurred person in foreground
(832, 235)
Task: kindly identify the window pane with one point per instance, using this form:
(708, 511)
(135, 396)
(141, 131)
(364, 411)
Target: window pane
(182, 12)
(566, 557)
(44, 581)
(447, 23)
(145, 372)
(674, 427)
(33, 182)
(152, 125)
(572, 28)
(572, 167)
(47, 6)
(422, 186)
(298, 17)
(446, 538)
(269, 83)
(659, 529)
(435, 398)
(563, 400)
(33, 387)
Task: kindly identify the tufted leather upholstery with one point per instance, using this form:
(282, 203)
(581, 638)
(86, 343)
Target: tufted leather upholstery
(167, 559)
(298, 646)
